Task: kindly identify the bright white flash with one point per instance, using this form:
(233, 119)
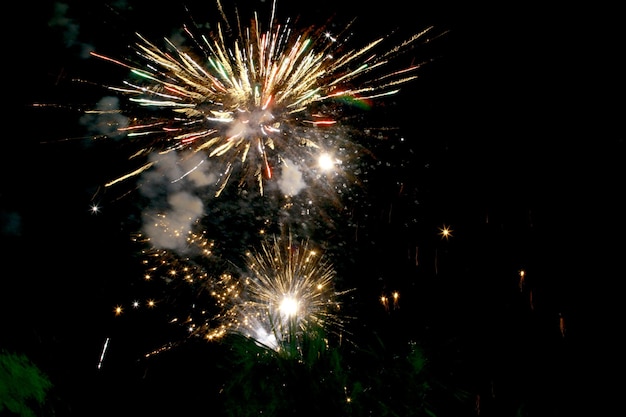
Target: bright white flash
(289, 306)
(326, 162)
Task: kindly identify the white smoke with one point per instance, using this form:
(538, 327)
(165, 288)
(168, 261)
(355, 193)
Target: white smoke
(172, 186)
(170, 229)
(62, 21)
(290, 182)
(106, 119)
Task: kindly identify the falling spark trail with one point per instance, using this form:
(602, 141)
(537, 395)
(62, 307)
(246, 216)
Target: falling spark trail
(188, 172)
(417, 256)
(104, 349)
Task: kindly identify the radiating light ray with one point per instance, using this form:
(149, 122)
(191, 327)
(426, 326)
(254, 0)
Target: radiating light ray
(253, 99)
(445, 232)
(271, 105)
(285, 292)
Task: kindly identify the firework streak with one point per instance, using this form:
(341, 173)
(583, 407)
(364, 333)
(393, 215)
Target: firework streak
(288, 292)
(250, 101)
(262, 106)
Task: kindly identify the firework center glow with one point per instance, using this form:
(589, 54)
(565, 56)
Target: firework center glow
(289, 306)
(248, 124)
(326, 162)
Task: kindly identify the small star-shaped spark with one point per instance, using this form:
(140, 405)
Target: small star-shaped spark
(445, 232)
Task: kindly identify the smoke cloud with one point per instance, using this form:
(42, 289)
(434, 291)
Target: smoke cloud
(290, 182)
(173, 187)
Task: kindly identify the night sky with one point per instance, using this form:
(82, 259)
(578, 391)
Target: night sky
(511, 136)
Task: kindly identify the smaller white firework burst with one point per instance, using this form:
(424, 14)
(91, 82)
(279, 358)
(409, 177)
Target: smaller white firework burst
(288, 295)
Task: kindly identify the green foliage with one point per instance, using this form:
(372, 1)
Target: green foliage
(295, 380)
(23, 387)
(397, 383)
(325, 380)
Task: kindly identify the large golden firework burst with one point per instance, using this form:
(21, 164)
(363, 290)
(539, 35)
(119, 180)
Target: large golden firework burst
(250, 99)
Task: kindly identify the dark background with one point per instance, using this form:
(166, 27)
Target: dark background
(512, 136)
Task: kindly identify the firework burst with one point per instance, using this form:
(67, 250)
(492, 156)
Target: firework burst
(254, 100)
(286, 294)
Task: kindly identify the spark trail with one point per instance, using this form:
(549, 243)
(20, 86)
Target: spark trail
(251, 101)
(284, 293)
(287, 294)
